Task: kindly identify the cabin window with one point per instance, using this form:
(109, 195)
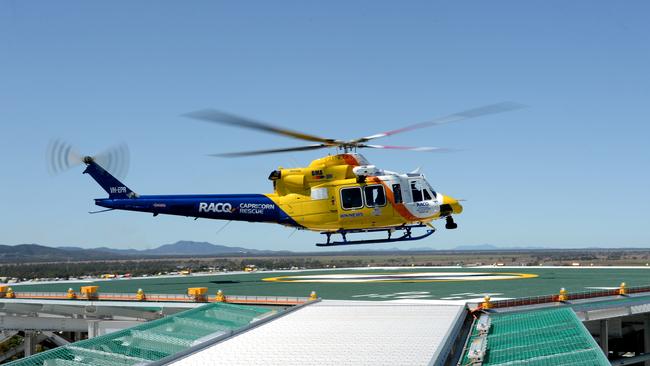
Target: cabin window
(375, 196)
(397, 193)
(319, 193)
(426, 194)
(351, 198)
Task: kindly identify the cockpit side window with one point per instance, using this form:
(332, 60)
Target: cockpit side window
(397, 193)
(416, 191)
(431, 190)
(421, 191)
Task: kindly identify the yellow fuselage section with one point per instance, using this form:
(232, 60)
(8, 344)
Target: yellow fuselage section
(328, 195)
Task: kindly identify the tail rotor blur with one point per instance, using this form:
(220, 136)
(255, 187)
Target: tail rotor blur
(115, 160)
(61, 157)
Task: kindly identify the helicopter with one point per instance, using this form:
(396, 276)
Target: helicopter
(338, 194)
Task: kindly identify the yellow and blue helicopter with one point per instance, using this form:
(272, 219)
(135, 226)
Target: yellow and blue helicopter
(336, 194)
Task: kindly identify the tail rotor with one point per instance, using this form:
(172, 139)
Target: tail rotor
(62, 156)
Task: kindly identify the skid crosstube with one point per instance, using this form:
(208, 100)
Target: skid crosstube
(407, 236)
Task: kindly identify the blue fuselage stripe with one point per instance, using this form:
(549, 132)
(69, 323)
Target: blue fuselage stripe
(236, 207)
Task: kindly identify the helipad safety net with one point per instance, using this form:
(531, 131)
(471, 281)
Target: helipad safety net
(549, 337)
(150, 341)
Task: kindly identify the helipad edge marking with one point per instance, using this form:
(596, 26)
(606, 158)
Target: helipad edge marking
(350, 278)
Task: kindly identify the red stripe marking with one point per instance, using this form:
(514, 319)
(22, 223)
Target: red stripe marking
(399, 207)
(350, 159)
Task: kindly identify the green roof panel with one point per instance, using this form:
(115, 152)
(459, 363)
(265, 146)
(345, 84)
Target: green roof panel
(150, 341)
(547, 337)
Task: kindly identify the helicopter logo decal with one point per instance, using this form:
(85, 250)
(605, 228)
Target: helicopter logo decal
(244, 208)
(218, 207)
(255, 208)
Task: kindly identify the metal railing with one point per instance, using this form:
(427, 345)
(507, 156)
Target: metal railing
(99, 296)
(278, 300)
(38, 295)
(544, 299)
(532, 300)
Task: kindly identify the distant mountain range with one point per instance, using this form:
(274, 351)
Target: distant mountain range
(469, 248)
(40, 253)
(183, 248)
(483, 247)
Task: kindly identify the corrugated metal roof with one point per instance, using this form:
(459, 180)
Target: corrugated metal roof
(339, 333)
(150, 341)
(539, 338)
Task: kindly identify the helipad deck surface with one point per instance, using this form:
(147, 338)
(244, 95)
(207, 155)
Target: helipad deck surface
(439, 283)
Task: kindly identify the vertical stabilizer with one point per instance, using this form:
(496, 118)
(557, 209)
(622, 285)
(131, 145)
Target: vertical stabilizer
(111, 185)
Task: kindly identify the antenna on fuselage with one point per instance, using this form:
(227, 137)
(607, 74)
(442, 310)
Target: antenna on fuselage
(223, 227)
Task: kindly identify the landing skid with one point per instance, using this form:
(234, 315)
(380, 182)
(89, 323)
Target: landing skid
(407, 236)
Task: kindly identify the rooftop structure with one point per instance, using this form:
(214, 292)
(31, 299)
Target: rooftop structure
(340, 333)
(152, 341)
(599, 326)
(536, 338)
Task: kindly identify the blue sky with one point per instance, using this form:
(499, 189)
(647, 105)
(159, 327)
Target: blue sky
(571, 170)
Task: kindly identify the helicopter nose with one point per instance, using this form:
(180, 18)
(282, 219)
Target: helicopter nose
(455, 205)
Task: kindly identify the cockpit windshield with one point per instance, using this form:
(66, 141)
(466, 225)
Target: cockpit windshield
(420, 190)
(433, 192)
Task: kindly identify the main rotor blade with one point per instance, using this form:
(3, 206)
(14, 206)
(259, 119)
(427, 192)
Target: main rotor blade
(212, 115)
(470, 113)
(271, 151)
(409, 148)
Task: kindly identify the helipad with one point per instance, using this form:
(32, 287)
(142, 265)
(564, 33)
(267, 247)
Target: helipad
(434, 283)
(417, 316)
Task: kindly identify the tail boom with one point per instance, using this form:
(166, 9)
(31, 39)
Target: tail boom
(235, 207)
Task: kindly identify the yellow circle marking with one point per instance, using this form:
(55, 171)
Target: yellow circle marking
(306, 279)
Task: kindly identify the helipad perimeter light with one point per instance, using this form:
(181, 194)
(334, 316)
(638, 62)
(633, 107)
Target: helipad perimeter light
(477, 349)
(483, 324)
